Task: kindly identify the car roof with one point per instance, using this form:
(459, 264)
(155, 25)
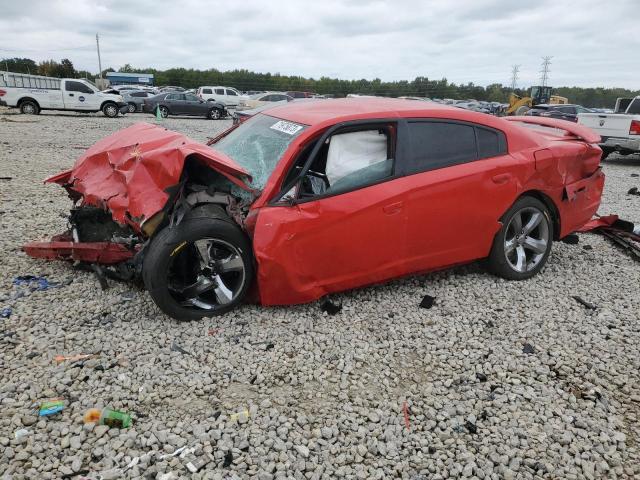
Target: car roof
(315, 112)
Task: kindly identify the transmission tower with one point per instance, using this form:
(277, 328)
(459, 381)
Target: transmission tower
(546, 61)
(514, 76)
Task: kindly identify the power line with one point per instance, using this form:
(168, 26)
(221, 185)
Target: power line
(514, 76)
(546, 61)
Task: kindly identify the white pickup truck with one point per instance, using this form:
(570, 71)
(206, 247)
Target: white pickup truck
(33, 93)
(620, 131)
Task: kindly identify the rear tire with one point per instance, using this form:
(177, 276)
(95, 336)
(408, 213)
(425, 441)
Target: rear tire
(110, 110)
(174, 275)
(164, 111)
(214, 114)
(132, 107)
(522, 245)
(29, 107)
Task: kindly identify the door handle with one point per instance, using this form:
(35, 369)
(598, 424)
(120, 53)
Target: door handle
(71, 94)
(392, 208)
(501, 178)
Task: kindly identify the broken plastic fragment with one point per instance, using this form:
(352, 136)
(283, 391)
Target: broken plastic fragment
(427, 301)
(528, 348)
(581, 301)
(330, 307)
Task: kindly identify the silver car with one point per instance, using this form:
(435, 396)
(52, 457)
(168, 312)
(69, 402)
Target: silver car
(135, 99)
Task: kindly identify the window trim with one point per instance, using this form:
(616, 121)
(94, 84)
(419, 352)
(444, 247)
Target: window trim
(407, 164)
(277, 198)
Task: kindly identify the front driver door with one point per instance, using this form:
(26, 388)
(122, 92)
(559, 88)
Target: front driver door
(339, 236)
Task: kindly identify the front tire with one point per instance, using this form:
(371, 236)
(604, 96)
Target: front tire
(164, 111)
(214, 114)
(522, 245)
(132, 108)
(110, 110)
(200, 268)
(29, 107)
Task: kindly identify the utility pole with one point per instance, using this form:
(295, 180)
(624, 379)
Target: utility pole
(99, 61)
(546, 61)
(514, 76)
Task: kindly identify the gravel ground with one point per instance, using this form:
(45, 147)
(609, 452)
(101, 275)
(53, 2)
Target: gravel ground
(498, 380)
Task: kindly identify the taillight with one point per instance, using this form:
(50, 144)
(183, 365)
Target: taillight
(2, 93)
(635, 127)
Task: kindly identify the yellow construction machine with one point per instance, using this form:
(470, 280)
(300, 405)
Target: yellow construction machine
(539, 95)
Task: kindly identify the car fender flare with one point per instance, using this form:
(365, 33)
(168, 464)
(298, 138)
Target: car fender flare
(107, 102)
(27, 99)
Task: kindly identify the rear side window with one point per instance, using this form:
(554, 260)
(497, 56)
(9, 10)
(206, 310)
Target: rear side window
(219, 91)
(491, 143)
(139, 94)
(207, 90)
(440, 144)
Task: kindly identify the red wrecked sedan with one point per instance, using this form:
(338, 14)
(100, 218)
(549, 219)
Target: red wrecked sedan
(312, 198)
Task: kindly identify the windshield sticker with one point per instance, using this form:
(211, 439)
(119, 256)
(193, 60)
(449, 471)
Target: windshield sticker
(286, 127)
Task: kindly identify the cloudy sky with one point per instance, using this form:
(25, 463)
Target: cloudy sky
(593, 42)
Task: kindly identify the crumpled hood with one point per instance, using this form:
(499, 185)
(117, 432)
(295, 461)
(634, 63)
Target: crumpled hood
(129, 171)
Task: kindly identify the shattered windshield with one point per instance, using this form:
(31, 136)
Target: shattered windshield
(258, 144)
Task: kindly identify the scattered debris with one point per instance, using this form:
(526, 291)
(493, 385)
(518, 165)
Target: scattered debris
(6, 312)
(22, 433)
(481, 377)
(176, 452)
(240, 417)
(405, 411)
(51, 407)
(635, 174)
(581, 301)
(100, 275)
(330, 307)
(196, 463)
(471, 427)
(108, 417)
(427, 301)
(587, 247)
(634, 191)
(6, 178)
(73, 358)
(128, 296)
(228, 459)
(528, 348)
(177, 348)
(432, 450)
(35, 283)
(571, 239)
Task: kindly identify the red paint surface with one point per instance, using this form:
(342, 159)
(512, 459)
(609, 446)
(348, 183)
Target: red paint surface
(90, 252)
(411, 224)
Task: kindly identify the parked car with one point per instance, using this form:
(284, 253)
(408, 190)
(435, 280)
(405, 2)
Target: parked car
(227, 95)
(176, 103)
(240, 115)
(310, 198)
(135, 99)
(620, 131)
(294, 94)
(562, 112)
(34, 93)
(263, 99)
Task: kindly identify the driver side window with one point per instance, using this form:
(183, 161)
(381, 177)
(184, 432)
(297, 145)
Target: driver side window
(349, 159)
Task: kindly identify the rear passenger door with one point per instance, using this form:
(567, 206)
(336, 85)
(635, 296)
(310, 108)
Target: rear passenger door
(459, 182)
(177, 103)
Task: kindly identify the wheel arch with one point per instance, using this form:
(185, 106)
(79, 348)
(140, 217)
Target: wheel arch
(27, 99)
(106, 102)
(550, 204)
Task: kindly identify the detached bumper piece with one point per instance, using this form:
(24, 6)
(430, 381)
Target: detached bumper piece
(104, 253)
(624, 234)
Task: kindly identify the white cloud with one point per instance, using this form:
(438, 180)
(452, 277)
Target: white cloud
(593, 43)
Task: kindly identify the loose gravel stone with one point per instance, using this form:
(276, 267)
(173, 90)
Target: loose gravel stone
(325, 393)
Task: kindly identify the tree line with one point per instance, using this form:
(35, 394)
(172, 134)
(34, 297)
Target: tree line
(246, 80)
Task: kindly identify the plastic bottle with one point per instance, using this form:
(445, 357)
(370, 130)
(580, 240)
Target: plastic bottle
(106, 416)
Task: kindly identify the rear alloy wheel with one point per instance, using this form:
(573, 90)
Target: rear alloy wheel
(164, 111)
(110, 110)
(522, 246)
(29, 107)
(214, 114)
(201, 267)
(132, 108)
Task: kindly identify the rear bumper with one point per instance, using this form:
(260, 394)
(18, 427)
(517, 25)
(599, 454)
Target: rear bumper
(123, 107)
(104, 253)
(616, 143)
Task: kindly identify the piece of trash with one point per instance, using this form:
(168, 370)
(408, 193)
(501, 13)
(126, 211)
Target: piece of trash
(196, 463)
(177, 348)
(6, 312)
(571, 239)
(528, 348)
(584, 303)
(633, 191)
(228, 459)
(481, 377)
(128, 296)
(330, 307)
(635, 174)
(175, 453)
(405, 412)
(108, 417)
(432, 450)
(6, 178)
(471, 427)
(34, 283)
(234, 417)
(427, 301)
(20, 434)
(72, 358)
(51, 407)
